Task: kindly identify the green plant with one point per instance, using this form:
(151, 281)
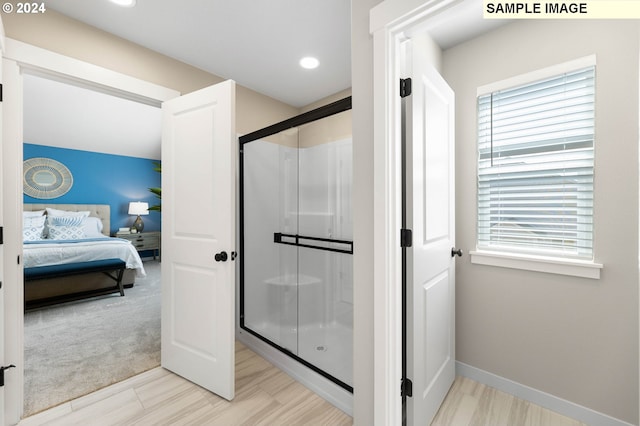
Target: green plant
(157, 191)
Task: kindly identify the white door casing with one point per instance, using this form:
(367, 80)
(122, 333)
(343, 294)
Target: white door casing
(431, 216)
(391, 23)
(2, 310)
(198, 209)
(12, 248)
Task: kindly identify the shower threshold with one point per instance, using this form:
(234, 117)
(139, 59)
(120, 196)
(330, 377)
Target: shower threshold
(327, 349)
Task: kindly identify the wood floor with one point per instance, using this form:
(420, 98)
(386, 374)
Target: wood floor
(267, 396)
(470, 403)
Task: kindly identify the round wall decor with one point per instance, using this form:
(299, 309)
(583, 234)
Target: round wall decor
(46, 178)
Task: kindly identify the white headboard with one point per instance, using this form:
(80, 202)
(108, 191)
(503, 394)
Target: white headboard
(102, 211)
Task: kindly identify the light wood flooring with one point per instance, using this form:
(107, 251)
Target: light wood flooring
(470, 403)
(267, 396)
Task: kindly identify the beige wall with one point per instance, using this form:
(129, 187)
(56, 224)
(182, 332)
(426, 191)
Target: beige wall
(330, 129)
(571, 337)
(58, 33)
(324, 101)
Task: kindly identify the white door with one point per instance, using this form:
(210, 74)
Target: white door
(198, 225)
(431, 216)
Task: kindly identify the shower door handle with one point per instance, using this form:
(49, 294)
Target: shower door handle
(221, 257)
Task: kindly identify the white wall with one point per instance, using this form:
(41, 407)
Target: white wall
(571, 337)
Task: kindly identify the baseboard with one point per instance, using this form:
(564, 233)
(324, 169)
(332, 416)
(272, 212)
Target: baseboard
(543, 399)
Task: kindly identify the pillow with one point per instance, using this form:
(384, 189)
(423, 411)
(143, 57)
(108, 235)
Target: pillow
(34, 213)
(65, 220)
(55, 212)
(33, 228)
(64, 232)
(93, 227)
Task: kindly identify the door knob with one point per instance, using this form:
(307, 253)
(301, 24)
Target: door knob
(455, 252)
(221, 257)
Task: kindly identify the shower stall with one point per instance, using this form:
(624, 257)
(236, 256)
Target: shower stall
(296, 241)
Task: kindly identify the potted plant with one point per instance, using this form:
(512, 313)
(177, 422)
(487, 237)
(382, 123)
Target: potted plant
(157, 166)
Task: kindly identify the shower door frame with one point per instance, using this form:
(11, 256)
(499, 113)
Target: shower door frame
(299, 120)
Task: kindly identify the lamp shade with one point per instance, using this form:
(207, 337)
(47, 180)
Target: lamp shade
(138, 208)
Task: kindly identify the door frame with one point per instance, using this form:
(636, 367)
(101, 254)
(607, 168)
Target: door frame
(390, 23)
(22, 58)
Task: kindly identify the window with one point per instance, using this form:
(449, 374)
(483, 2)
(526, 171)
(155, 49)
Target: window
(535, 166)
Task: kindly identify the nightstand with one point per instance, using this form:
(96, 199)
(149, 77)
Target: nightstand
(144, 241)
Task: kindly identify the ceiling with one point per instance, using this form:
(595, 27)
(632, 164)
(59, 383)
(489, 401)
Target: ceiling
(88, 120)
(256, 43)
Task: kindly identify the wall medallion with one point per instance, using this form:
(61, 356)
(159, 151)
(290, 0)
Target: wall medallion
(46, 178)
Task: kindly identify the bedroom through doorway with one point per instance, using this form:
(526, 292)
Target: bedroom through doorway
(110, 146)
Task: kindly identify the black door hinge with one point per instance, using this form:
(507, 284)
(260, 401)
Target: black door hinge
(406, 238)
(405, 87)
(2, 373)
(1, 92)
(406, 387)
(1, 235)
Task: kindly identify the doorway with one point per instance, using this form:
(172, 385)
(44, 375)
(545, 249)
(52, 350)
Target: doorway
(404, 54)
(19, 59)
(74, 349)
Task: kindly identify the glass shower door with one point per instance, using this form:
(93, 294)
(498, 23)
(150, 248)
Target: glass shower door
(297, 243)
(270, 198)
(325, 332)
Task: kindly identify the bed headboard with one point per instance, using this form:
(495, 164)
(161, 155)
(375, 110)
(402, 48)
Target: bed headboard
(102, 211)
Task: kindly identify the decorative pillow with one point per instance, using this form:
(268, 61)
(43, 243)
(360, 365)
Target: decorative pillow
(31, 234)
(56, 212)
(34, 213)
(33, 228)
(63, 232)
(65, 220)
(93, 227)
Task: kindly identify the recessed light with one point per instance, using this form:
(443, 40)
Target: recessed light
(124, 3)
(309, 62)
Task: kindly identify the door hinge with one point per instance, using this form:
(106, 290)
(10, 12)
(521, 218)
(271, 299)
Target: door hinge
(406, 387)
(1, 92)
(2, 373)
(406, 238)
(1, 235)
(405, 87)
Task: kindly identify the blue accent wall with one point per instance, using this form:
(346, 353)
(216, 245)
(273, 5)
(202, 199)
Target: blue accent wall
(104, 179)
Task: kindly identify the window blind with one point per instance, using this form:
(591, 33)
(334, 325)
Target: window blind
(535, 166)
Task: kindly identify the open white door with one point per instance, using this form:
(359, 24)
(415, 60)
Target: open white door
(431, 216)
(198, 237)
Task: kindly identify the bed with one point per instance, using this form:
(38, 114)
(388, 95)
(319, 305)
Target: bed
(93, 243)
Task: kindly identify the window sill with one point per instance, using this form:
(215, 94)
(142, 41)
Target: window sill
(576, 268)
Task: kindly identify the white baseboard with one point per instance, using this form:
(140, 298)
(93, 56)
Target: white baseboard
(543, 399)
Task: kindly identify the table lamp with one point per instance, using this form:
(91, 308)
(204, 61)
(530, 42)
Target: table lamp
(138, 208)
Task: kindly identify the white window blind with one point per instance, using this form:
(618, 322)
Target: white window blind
(535, 166)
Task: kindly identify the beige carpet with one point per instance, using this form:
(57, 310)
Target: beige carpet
(77, 348)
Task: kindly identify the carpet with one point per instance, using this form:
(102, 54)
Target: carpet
(77, 348)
